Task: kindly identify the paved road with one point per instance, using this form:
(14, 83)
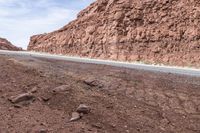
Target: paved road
(165, 69)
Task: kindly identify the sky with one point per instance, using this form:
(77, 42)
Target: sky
(20, 19)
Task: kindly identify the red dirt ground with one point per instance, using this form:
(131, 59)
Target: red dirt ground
(121, 100)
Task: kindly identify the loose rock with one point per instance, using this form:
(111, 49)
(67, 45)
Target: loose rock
(96, 125)
(61, 88)
(22, 98)
(42, 131)
(34, 90)
(17, 106)
(82, 108)
(45, 99)
(75, 116)
(93, 82)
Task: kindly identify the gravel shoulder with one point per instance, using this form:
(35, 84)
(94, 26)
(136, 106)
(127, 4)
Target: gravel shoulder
(120, 100)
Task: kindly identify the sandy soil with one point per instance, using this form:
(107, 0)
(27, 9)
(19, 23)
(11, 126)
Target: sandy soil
(121, 100)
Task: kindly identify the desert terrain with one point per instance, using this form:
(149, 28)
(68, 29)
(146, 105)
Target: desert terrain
(46, 95)
(40, 95)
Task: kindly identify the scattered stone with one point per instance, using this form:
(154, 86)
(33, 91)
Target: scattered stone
(75, 116)
(89, 81)
(22, 98)
(93, 82)
(82, 108)
(45, 99)
(61, 88)
(17, 106)
(34, 90)
(113, 125)
(43, 124)
(97, 125)
(42, 131)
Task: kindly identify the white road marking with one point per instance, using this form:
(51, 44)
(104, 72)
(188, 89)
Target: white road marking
(134, 65)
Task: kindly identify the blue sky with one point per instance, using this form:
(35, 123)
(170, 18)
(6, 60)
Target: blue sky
(20, 19)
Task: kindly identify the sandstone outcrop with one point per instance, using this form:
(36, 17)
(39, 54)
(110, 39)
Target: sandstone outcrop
(6, 45)
(154, 31)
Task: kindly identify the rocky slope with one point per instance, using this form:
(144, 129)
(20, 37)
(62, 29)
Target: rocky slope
(155, 31)
(39, 95)
(6, 45)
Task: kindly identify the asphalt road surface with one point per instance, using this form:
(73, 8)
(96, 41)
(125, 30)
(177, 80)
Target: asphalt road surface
(158, 68)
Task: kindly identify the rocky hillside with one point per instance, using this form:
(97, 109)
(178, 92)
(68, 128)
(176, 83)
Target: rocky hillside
(154, 31)
(6, 45)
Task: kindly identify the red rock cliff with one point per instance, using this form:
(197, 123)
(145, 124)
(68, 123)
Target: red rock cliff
(6, 45)
(161, 31)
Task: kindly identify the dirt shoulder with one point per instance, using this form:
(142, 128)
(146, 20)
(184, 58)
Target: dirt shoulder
(121, 100)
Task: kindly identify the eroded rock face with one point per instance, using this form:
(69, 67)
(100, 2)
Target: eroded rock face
(161, 31)
(6, 45)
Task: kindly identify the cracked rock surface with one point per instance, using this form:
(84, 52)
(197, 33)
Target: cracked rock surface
(152, 31)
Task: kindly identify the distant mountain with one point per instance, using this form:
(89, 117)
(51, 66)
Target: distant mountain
(154, 31)
(6, 45)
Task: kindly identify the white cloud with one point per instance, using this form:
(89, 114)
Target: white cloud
(20, 19)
